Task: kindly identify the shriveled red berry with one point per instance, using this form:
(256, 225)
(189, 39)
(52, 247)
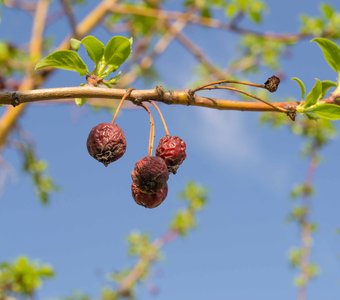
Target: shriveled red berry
(106, 143)
(172, 150)
(150, 174)
(149, 200)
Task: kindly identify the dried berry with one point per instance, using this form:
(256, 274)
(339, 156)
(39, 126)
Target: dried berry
(150, 174)
(172, 150)
(106, 143)
(149, 200)
(272, 83)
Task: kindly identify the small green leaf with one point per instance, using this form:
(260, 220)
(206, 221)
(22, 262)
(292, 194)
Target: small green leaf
(117, 51)
(300, 281)
(325, 111)
(314, 95)
(331, 52)
(326, 85)
(301, 85)
(63, 59)
(80, 101)
(327, 10)
(94, 48)
(75, 44)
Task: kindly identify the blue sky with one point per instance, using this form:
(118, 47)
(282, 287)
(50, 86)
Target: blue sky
(239, 249)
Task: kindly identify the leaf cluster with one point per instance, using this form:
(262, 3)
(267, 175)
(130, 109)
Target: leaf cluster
(22, 276)
(327, 24)
(44, 184)
(106, 58)
(314, 104)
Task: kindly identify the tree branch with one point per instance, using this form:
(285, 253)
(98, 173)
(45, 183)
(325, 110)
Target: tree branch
(203, 21)
(9, 118)
(141, 266)
(178, 97)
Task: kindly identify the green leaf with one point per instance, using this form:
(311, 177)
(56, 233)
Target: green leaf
(117, 51)
(255, 16)
(325, 111)
(300, 281)
(326, 85)
(80, 101)
(327, 10)
(183, 221)
(63, 59)
(301, 85)
(94, 48)
(75, 44)
(314, 95)
(331, 52)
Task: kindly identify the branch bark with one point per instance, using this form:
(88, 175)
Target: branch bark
(11, 115)
(178, 97)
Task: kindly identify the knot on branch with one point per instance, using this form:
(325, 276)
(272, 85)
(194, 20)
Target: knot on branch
(291, 112)
(160, 91)
(191, 96)
(137, 101)
(15, 99)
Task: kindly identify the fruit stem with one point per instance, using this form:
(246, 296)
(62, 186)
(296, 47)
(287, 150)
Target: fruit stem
(213, 84)
(128, 92)
(247, 94)
(162, 117)
(152, 130)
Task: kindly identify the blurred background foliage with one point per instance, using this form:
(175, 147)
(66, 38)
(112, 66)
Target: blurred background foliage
(154, 26)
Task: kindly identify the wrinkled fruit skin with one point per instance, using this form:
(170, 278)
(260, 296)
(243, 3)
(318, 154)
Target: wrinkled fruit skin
(172, 150)
(106, 143)
(149, 200)
(150, 174)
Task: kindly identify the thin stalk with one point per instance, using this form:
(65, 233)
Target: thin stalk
(162, 117)
(247, 94)
(228, 81)
(152, 129)
(128, 92)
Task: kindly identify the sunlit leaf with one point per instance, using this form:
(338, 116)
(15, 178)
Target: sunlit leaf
(117, 51)
(94, 48)
(63, 59)
(326, 85)
(314, 95)
(301, 85)
(331, 52)
(325, 111)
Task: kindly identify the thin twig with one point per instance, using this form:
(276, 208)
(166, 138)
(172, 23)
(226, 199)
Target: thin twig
(247, 94)
(11, 115)
(162, 118)
(152, 129)
(23, 5)
(70, 16)
(159, 48)
(211, 84)
(140, 267)
(200, 56)
(204, 21)
(128, 92)
(305, 228)
(35, 48)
